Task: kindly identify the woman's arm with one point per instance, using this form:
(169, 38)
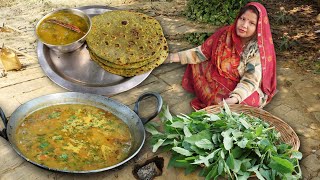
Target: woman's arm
(190, 56)
(249, 82)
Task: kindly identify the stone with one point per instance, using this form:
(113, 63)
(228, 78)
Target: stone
(148, 171)
(312, 162)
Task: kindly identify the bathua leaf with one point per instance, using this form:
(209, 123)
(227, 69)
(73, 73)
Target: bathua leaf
(243, 142)
(205, 171)
(213, 174)
(233, 164)
(220, 166)
(205, 159)
(182, 151)
(174, 161)
(186, 131)
(215, 138)
(259, 176)
(213, 117)
(226, 108)
(230, 161)
(185, 118)
(222, 154)
(151, 129)
(259, 130)
(236, 134)
(244, 123)
(177, 124)
(197, 137)
(237, 165)
(198, 150)
(297, 154)
(198, 115)
(165, 114)
(257, 151)
(281, 165)
(264, 143)
(245, 165)
(157, 145)
(282, 148)
(204, 144)
(227, 139)
(169, 142)
(265, 173)
(173, 136)
(244, 177)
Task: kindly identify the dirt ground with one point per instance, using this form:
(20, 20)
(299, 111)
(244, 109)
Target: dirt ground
(294, 23)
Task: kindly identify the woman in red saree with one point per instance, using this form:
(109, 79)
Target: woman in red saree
(237, 63)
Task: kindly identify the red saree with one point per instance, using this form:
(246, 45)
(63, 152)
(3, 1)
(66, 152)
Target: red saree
(213, 80)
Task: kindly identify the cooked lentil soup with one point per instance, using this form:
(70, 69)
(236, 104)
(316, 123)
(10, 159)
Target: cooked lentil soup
(55, 34)
(74, 137)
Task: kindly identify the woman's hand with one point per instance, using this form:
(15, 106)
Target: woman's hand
(232, 100)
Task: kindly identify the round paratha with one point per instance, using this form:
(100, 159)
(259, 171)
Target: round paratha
(129, 72)
(127, 38)
(161, 53)
(117, 66)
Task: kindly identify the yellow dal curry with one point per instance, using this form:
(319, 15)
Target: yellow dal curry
(55, 34)
(74, 137)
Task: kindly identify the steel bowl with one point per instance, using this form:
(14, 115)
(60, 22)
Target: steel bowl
(71, 46)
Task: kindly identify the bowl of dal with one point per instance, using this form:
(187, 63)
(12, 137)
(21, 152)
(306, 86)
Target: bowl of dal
(64, 30)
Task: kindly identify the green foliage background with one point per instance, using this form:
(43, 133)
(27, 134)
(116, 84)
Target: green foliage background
(216, 12)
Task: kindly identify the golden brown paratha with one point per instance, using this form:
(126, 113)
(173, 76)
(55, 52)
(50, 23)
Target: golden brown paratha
(124, 37)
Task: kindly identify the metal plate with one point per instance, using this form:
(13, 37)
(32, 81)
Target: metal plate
(75, 71)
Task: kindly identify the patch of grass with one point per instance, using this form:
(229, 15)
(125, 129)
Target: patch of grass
(317, 66)
(282, 17)
(311, 65)
(286, 43)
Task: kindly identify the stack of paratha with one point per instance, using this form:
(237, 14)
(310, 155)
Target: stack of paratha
(126, 43)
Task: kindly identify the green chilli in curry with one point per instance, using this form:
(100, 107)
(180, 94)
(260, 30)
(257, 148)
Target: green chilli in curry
(74, 137)
(55, 34)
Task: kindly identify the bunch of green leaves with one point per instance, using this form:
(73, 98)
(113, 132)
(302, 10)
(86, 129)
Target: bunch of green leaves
(217, 12)
(197, 38)
(225, 144)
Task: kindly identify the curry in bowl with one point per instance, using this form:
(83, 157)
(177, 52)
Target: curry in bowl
(62, 28)
(74, 137)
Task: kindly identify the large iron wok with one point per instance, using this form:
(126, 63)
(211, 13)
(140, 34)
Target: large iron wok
(130, 117)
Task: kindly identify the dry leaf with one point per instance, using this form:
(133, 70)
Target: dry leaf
(5, 29)
(9, 59)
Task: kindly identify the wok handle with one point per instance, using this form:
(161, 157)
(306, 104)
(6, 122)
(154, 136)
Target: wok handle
(158, 108)
(3, 132)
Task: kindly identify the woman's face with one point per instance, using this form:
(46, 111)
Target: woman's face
(247, 25)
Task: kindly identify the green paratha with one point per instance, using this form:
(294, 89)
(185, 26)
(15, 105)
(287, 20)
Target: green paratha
(161, 53)
(127, 38)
